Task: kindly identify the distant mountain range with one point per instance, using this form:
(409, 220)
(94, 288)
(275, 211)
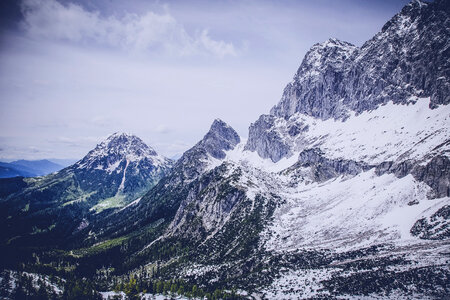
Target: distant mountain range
(28, 168)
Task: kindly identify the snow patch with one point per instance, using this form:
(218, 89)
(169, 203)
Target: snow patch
(122, 183)
(347, 213)
(390, 133)
(249, 158)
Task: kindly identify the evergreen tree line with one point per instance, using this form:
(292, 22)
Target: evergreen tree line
(27, 287)
(24, 286)
(135, 287)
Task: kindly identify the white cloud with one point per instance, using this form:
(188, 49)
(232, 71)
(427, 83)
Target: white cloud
(156, 33)
(220, 48)
(162, 129)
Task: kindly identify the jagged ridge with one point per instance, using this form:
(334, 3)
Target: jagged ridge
(408, 57)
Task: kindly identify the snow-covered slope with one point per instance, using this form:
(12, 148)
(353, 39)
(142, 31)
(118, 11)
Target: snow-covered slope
(353, 162)
(345, 211)
(392, 132)
(348, 213)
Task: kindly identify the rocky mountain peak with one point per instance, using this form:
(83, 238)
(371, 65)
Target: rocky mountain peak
(330, 45)
(403, 22)
(220, 137)
(332, 53)
(414, 5)
(408, 58)
(123, 165)
(127, 144)
(119, 147)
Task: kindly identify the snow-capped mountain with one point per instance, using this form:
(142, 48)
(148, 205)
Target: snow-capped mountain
(407, 58)
(163, 201)
(405, 61)
(130, 164)
(119, 170)
(117, 147)
(343, 189)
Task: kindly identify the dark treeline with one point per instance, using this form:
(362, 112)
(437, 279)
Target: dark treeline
(22, 285)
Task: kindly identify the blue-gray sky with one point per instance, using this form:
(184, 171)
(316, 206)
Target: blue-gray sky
(73, 72)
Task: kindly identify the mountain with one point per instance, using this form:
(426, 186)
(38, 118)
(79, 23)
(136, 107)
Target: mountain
(28, 168)
(407, 58)
(118, 171)
(405, 61)
(123, 163)
(42, 167)
(7, 171)
(341, 191)
(162, 202)
(65, 162)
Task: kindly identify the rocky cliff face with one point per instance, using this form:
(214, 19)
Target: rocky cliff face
(266, 141)
(408, 57)
(318, 87)
(220, 138)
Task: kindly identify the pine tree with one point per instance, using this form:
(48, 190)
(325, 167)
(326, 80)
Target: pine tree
(180, 290)
(173, 288)
(217, 294)
(131, 289)
(166, 287)
(159, 287)
(195, 290)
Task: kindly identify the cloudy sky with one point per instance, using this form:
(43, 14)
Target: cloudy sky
(73, 72)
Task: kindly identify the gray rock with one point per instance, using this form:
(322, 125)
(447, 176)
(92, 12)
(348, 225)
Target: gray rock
(436, 173)
(400, 170)
(210, 201)
(409, 57)
(435, 227)
(322, 168)
(319, 85)
(265, 140)
(221, 137)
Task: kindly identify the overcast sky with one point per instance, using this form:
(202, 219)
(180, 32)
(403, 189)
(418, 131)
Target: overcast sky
(73, 72)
